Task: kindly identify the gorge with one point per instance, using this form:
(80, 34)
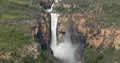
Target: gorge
(59, 31)
(90, 36)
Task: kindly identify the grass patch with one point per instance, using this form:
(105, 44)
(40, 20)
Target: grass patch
(108, 15)
(18, 9)
(111, 13)
(10, 39)
(108, 55)
(43, 57)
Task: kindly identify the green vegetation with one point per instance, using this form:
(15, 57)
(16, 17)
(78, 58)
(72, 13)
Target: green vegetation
(60, 9)
(108, 55)
(6, 61)
(14, 30)
(68, 10)
(43, 57)
(10, 39)
(81, 6)
(18, 9)
(111, 13)
(105, 11)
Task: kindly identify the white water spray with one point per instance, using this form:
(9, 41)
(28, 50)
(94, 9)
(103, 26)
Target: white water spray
(65, 50)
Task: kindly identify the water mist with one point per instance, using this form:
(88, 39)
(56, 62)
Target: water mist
(64, 51)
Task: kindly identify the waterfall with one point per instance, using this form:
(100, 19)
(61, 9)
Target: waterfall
(54, 18)
(65, 50)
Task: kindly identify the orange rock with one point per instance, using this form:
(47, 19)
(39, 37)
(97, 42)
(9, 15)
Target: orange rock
(67, 5)
(44, 29)
(117, 39)
(96, 40)
(61, 28)
(108, 37)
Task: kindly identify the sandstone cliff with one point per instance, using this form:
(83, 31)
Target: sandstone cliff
(41, 30)
(95, 34)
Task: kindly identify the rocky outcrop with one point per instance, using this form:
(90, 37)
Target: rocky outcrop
(41, 30)
(102, 37)
(83, 28)
(61, 27)
(95, 34)
(43, 34)
(34, 27)
(117, 39)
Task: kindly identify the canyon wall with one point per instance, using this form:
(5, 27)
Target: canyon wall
(92, 33)
(83, 29)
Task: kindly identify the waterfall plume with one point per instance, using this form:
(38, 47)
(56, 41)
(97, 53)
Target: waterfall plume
(65, 51)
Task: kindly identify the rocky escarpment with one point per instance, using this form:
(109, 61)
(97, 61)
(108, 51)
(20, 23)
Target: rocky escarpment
(41, 27)
(95, 34)
(84, 28)
(41, 30)
(44, 30)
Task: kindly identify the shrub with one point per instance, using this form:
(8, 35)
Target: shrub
(6, 61)
(28, 59)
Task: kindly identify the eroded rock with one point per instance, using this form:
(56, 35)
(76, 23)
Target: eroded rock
(96, 35)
